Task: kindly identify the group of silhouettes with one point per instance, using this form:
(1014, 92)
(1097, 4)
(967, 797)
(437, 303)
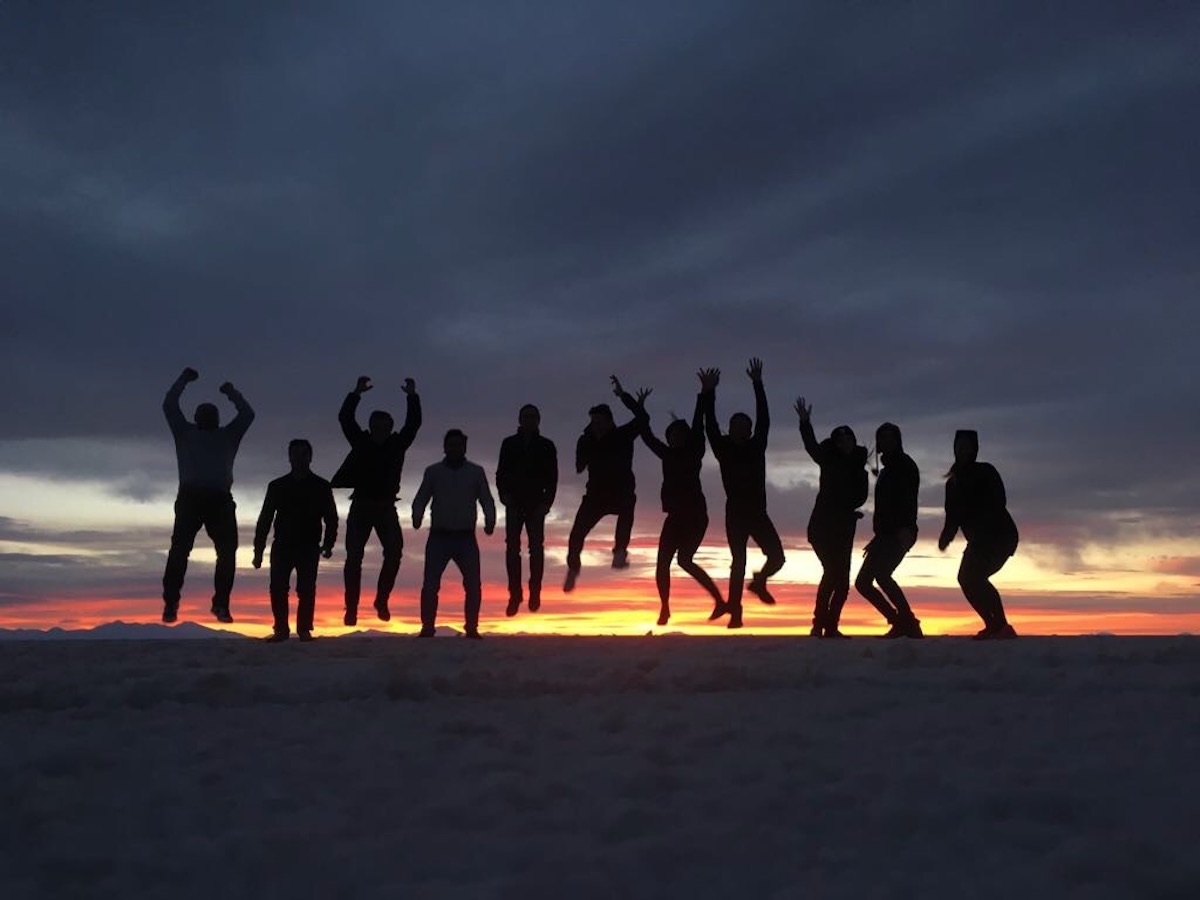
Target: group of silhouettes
(299, 507)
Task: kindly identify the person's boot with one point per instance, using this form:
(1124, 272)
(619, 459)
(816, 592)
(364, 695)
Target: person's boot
(912, 628)
(535, 597)
(620, 559)
(735, 618)
(758, 587)
(720, 608)
(382, 611)
(350, 619)
(664, 614)
(305, 636)
(221, 613)
(514, 604)
(898, 629)
(170, 612)
(276, 637)
(426, 631)
(1004, 632)
(572, 577)
(472, 633)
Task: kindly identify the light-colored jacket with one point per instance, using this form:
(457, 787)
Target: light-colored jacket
(455, 493)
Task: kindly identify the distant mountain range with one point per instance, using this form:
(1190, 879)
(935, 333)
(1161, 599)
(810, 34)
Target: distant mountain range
(120, 631)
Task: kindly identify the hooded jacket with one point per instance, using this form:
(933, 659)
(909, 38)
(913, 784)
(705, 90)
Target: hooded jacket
(843, 486)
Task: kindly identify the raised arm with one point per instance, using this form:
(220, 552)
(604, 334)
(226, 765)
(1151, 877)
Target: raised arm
(170, 404)
(412, 415)
(346, 415)
(636, 405)
(245, 414)
(696, 435)
(330, 514)
(762, 416)
(657, 446)
(811, 445)
(709, 379)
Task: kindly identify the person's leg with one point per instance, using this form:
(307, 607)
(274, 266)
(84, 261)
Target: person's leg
(306, 590)
(737, 533)
(438, 550)
(690, 538)
(387, 526)
(535, 532)
(764, 533)
(358, 529)
(514, 521)
(188, 520)
(884, 577)
(821, 547)
(668, 544)
(624, 508)
(842, 552)
(979, 564)
(590, 512)
(220, 521)
(282, 563)
(466, 557)
(875, 565)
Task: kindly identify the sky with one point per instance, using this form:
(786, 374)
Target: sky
(941, 215)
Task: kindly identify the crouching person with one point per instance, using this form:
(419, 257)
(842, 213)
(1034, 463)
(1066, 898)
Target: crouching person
(454, 486)
(298, 504)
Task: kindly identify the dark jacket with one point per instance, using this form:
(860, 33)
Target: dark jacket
(743, 466)
(609, 459)
(976, 503)
(527, 473)
(896, 494)
(372, 469)
(681, 490)
(298, 505)
(843, 485)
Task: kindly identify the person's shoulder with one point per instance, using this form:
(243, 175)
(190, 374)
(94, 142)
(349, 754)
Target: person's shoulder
(279, 483)
(320, 483)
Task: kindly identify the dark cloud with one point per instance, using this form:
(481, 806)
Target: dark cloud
(974, 216)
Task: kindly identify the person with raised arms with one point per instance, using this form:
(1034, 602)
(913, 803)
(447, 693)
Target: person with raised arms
(204, 452)
(842, 489)
(605, 450)
(742, 456)
(682, 454)
(372, 469)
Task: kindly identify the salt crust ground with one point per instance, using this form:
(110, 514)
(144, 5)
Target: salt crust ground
(589, 767)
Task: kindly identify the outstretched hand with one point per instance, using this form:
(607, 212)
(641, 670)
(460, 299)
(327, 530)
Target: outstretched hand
(616, 385)
(642, 394)
(410, 386)
(189, 374)
(228, 389)
(362, 385)
(709, 379)
(803, 410)
(755, 369)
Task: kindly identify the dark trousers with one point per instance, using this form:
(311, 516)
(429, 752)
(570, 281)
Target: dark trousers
(834, 545)
(884, 554)
(533, 522)
(681, 535)
(215, 512)
(979, 563)
(592, 509)
(364, 517)
(303, 561)
(741, 528)
(442, 548)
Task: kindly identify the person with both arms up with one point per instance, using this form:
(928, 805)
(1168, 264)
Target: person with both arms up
(606, 451)
(455, 486)
(373, 468)
(297, 504)
(895, 526)
(976, 503)
(526, 480)
(742, 455)
(683, 501)
(204, 453)
(842, 490)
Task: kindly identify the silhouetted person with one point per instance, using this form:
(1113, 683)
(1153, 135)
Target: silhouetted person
(455, 486)
(742, 455)
(298, 505)
(606, 451)
(683, 502)
(204, 451)
(373, 469)
(895, 526)
(526, 480)
(976, 503)
(841, 491)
